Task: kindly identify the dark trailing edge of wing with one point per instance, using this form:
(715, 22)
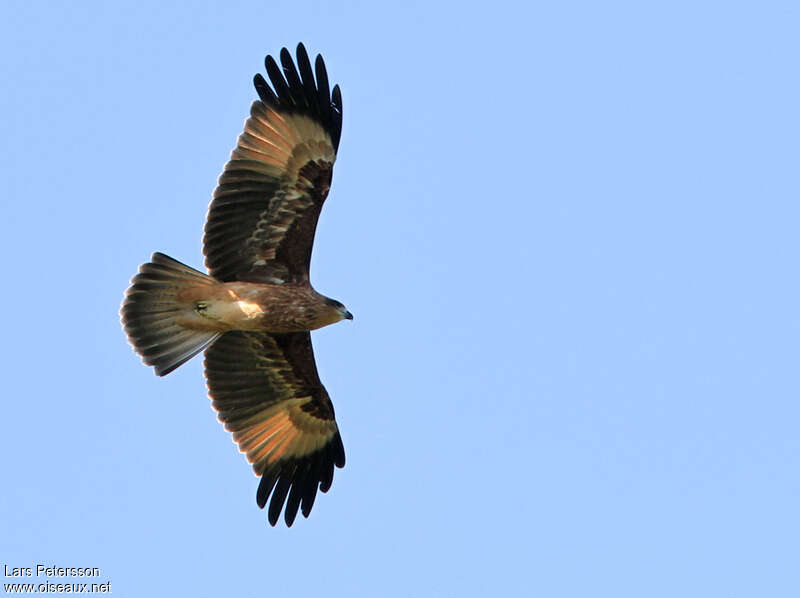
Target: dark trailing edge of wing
(295, 481)
(297, 91)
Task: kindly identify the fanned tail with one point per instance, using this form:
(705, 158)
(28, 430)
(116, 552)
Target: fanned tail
(152, 312)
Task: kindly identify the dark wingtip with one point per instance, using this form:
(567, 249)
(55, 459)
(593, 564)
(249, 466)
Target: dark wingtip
(299, 88)
(295, 483)
(338, 458)
(265, 486)
(278, 498)
(263, 89)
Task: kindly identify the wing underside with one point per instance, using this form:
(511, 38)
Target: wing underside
(263, 217)
(267, 392)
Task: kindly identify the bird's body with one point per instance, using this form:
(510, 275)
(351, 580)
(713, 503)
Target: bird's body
(266, 307)
(253, 311)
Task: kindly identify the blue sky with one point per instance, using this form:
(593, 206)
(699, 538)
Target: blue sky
(567, 231)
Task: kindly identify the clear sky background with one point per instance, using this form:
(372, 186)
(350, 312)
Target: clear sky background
(568, 232)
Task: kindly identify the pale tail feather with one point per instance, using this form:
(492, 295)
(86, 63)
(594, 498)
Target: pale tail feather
(151, 313)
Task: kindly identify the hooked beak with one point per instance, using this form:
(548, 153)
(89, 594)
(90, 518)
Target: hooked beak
(347, 315)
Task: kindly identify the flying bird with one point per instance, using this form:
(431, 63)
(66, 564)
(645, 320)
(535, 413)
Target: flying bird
(253, 311)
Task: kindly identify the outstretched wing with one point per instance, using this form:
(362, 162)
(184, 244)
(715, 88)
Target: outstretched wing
(268, 394)
(262, 219)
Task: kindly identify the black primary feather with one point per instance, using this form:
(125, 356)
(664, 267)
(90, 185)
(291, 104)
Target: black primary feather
(307, 75)
(294, 89)
(264, 91)
(278, 498)
(295, 85)
(278, 82)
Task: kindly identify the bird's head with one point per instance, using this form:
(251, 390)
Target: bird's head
(335, 312)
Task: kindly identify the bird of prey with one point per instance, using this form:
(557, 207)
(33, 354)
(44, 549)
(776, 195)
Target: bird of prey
(253, 311)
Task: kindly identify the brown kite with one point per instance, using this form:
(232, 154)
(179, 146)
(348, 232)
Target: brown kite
(253, 312)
